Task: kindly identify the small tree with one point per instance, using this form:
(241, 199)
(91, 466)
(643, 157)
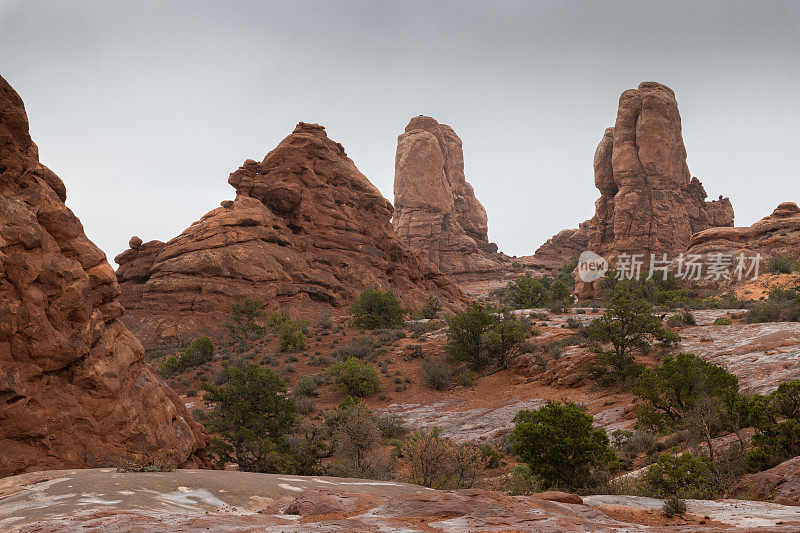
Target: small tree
(200, 351)
(291, 337)
(778, 419)
(242, 323)
(560, 446)
(684, 475)
(676, 387)
(355, 438)
(481, 336)
(355, 378)
(629, 326)
(252, 416)
(375, 309)
(440, 463)
(431, 308)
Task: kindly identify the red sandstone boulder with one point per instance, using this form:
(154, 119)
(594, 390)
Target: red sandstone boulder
(307, 230)
(436, 212)
(780, 484)
(75, 390)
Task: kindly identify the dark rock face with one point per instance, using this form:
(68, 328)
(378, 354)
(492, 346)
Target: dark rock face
(75, 390)
(306, 230)
(436, 212)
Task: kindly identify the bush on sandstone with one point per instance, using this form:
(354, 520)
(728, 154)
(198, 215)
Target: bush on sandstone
(252, 417)
(560, 445)
(242, 323)
(440, 463)
(375, 309)
(355, 378)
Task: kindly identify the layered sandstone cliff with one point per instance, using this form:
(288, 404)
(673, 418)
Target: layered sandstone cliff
(75, 390)
(306, 230)
(776, 234)
(436, 212)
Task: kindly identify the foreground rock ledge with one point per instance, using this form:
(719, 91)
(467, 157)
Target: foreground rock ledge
(75, 390)
(209, 500)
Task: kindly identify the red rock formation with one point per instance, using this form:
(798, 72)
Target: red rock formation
(561, 248)
(307, 230)
(436, 212)
(75, 390)
(779, 484)
(777, 234)
(649, 202)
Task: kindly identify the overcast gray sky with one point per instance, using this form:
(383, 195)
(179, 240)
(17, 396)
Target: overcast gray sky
(144, 107)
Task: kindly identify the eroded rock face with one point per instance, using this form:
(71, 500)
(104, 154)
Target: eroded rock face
(75, 390)
(777, 234)
(306, 230)
(561, 248)
(780, 484)
(436, 212)
(649, 202)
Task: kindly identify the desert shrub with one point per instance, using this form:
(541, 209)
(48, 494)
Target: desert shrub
(307, 386)
(684, 318)
(657, 290)
(375, 309)
(465, 377)
(723, 321)
(355, 438)
(360, 348)
(198, 414)
(777, 417)
(560, 445)
(440, 463)
(684, 475)
(526, 292)
(480, 337)
(305, 405)
(278, 319)
(781, 305)
(252, 416)
(629, 326)
(291, 337)
(491, 456)
(324, 321)
(436, 373)
(522, 482)
(199, 352)
(782, 265)
(355, 378)
(242, 323)
(431, 308)
(675, 388)
(673, 506)
(391, 426)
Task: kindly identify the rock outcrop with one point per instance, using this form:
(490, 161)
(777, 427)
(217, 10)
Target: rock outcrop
(306, 230)
(649, 203)
(780, 484)
(436, 212)
(561, 248)
(777, 234)
(75, 390)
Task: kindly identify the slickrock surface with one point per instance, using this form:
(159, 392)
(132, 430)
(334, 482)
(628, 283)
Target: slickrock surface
(192, 500)
(762, 356)
(436, 212)
(306, 231)
(75, 390)
(776, 234)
